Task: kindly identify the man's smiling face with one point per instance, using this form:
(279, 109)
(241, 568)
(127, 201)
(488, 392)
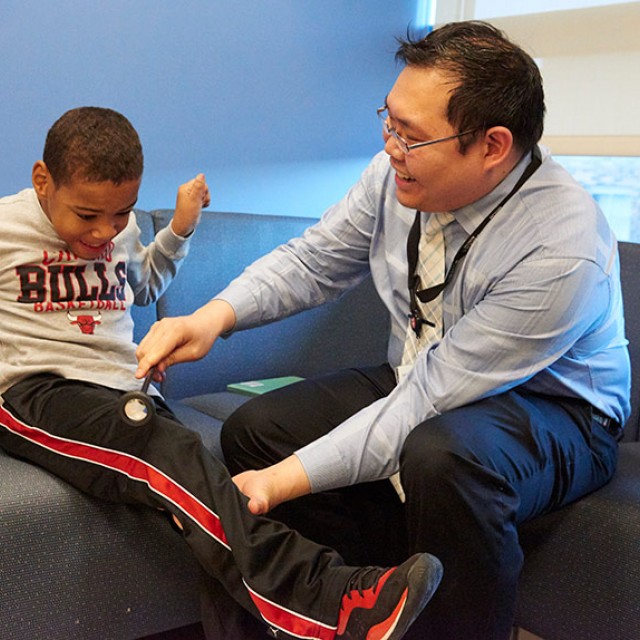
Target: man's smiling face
(436, 177)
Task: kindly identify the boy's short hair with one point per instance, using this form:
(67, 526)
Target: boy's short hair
(94, 143)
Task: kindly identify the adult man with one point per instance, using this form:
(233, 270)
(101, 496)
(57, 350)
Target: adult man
(513, 404)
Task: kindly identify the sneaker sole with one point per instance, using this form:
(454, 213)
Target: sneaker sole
(419, 592)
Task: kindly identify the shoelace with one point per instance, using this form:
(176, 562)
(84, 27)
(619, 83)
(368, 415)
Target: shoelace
(365, 579)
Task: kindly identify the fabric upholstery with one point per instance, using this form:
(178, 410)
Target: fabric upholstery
(72, 568)
(629, 271)
(582, 570)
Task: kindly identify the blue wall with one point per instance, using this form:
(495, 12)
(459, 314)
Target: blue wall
(274, 99)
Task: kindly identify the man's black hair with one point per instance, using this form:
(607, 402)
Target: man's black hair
(498, 84)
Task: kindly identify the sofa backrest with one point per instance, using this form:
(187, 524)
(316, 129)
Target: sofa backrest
(144, 317)
(307, 344)
(226, 243)
(630, 276)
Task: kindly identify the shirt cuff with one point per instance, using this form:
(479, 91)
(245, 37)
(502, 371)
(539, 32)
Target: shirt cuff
(171, 244)
(323, 465)
(243, 304)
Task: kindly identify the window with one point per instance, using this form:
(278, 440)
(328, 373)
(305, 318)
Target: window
(590, 62)
(614, 182)
(485, 9)
(589, 56)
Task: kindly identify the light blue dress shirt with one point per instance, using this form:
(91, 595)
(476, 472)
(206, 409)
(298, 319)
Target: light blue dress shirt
(536, 302)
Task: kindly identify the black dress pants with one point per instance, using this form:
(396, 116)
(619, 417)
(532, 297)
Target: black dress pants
(470, 476)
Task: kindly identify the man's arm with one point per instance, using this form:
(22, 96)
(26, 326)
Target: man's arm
(183, 338)
(516, 331)
(331, 257)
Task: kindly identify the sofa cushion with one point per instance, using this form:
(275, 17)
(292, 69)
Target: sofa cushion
(75, 568)
(208, 425)
(572, 553)
(218, 406)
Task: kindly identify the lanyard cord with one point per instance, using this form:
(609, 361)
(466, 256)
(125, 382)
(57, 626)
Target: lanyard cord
(413, 241)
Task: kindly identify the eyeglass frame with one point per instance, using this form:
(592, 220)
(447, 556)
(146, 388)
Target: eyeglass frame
(403, 145)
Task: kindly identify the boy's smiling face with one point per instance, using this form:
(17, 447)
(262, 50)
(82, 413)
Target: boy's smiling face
(86, 215)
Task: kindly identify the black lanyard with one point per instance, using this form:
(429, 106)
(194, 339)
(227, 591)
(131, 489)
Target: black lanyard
(427, 295)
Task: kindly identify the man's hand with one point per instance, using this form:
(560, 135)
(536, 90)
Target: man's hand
(183, 338)
(267, 488)
(192, 197)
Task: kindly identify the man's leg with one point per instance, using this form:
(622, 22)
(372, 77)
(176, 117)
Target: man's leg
(364, 523)
(471, 476)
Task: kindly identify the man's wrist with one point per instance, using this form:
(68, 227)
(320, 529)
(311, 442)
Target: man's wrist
(291, 479)
(217, 315)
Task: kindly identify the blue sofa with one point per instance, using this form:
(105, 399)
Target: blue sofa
(73, 568)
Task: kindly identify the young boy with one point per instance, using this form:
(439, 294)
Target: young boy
(71, 266)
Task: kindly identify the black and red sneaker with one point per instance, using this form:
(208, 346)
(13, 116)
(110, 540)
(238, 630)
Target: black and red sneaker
(381, 604)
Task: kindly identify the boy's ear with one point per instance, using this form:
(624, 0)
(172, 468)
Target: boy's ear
(41, 178)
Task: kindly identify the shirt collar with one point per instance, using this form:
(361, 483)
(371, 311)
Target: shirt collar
(471, 215)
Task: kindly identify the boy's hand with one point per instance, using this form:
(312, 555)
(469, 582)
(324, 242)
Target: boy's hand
(192, 197)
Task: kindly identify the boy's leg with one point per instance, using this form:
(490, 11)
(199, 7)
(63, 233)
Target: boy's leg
(222, 617)
(261, 563)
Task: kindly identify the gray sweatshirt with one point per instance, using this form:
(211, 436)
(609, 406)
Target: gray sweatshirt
(69, 316)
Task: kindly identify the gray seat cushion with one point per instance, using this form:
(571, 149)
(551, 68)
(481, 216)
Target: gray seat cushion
(59, 545)
(575, 582)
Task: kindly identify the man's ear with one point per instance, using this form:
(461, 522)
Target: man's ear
(41, 179)
(498, 146)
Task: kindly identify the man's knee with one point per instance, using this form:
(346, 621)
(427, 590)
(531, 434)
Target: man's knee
(430, 452)
(449, 449)
(242, 436)
(452, 458)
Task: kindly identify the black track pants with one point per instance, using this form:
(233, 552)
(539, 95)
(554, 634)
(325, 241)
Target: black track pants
(73, 430)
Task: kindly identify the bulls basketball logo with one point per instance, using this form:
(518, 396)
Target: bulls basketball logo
(87, 323)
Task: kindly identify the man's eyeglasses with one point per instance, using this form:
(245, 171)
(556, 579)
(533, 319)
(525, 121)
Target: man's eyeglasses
(403, 145)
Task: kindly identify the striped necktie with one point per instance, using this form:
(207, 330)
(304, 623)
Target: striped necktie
(431, 271)
(430, 268)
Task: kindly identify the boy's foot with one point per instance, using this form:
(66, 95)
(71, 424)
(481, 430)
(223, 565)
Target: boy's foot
(381, 604)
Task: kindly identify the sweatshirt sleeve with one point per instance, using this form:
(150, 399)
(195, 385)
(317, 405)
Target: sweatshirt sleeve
(152, 268)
